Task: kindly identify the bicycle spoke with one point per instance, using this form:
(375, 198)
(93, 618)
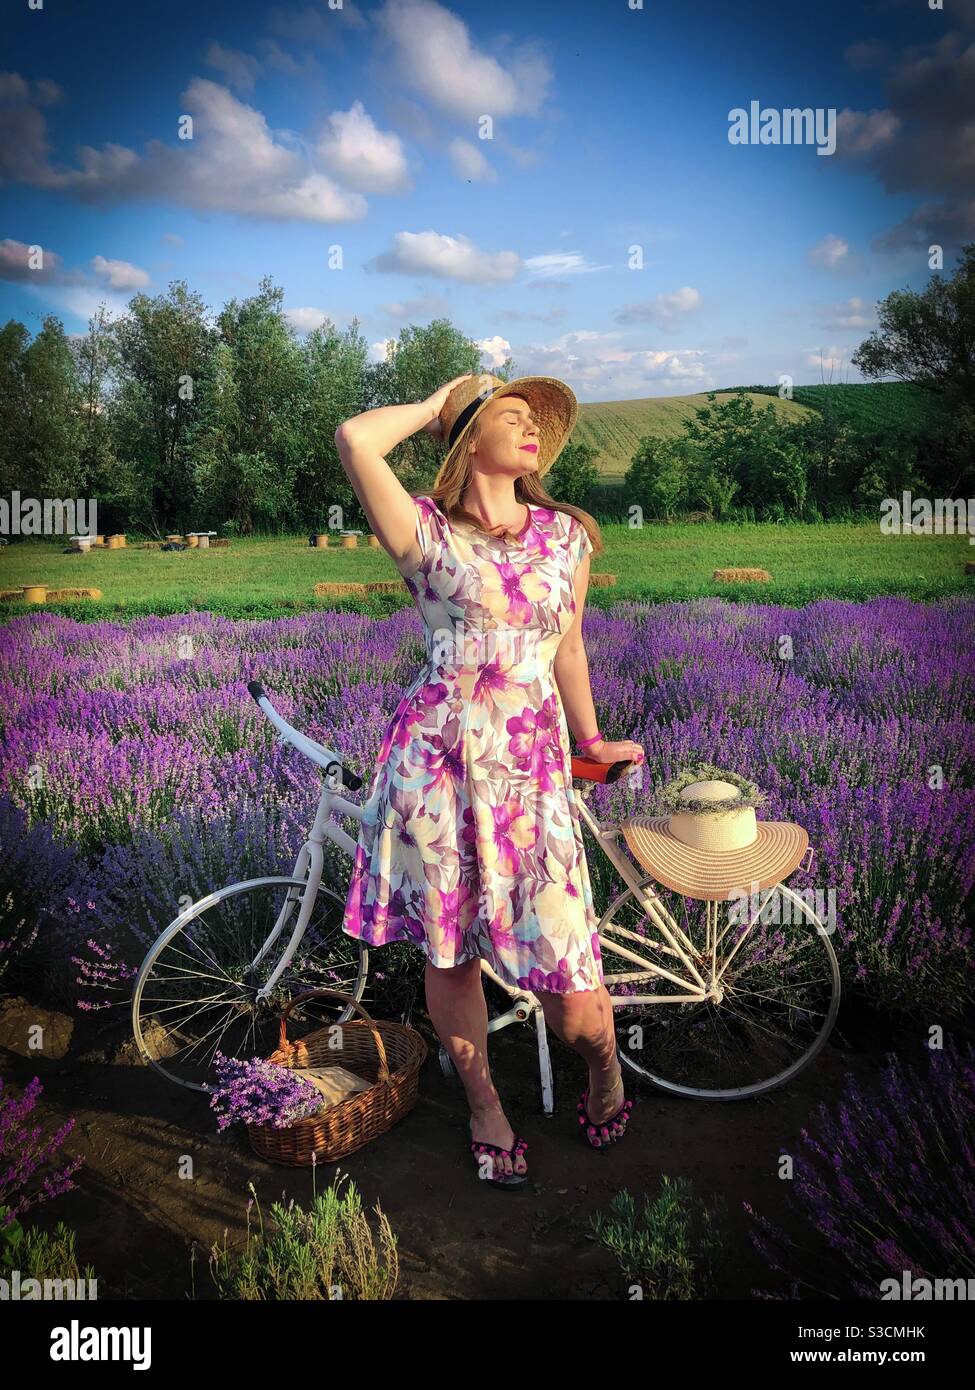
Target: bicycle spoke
(768, 1006)
(198, 993)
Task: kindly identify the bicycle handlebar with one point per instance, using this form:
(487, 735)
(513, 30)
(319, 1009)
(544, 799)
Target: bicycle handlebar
(583, 768)
(324, 757)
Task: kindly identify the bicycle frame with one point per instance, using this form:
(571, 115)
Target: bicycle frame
(310, 863)
(311, 858)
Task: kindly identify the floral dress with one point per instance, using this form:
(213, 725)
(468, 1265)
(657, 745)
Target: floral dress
(471, 843)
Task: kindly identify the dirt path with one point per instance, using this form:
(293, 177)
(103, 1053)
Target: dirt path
(135, 1218)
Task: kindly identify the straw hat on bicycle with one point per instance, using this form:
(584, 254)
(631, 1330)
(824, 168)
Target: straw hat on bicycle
(711, 844)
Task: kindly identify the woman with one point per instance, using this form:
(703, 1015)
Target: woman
(471, 842)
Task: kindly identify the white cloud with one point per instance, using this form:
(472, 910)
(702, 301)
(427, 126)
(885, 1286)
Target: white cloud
(435, 54)
(321, 24)
(665, 309)
(121, 275)
(599, 366)
(377, 351)
(234, 163)
(469, 162)
(494, 350)
(18, 91)
(860, 133)
(447, 257)
(360, 155)
(831, 359)
(305, 320)
(15, 264)
(240, 69)
(853, 313)
(831, 252)
(421, 306)
(557, 264)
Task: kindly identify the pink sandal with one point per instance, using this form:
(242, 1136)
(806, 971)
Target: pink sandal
(518, 1146)
(592, 1130)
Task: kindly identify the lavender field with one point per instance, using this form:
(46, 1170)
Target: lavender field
(137, 770)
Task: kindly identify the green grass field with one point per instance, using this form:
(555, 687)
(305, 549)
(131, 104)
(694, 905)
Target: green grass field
(263, 576)
(614, 428)
(899, 406)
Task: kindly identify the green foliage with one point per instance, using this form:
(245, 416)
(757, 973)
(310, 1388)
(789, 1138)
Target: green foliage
(173, 421)
(866, 407)
(927, 337)
(39, 1255)
(325, 1253)
(573, 475)
(659, 478)
(419, 362)
(672, 1249)
(615, 428)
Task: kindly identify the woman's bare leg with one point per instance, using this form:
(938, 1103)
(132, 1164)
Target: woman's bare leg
(584, 1021)
(458, 1010)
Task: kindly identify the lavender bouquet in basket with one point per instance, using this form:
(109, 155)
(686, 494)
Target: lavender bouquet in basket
(257, 1092)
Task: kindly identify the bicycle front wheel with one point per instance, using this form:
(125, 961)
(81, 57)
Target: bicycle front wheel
(196, 992)
(755, 1009)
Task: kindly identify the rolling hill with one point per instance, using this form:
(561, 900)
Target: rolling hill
(614, 428)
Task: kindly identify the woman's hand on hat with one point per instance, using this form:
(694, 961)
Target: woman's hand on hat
(623, 751)
(437, 401)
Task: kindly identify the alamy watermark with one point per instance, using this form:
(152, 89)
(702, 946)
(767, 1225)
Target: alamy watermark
(791, 126)
(48, 516)
(919, 516)
(17, 1289)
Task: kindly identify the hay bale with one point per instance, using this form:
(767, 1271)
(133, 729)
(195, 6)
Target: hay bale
(327, 590)
(385, 586)
(55, 595)
(150, 545)
(734, 575)
(602, 581)
(220, 544)
(11, 593)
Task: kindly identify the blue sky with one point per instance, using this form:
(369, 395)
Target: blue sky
(358, 128)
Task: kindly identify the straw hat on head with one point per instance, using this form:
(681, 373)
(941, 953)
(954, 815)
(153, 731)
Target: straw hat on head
(553, 403)
(712, 846)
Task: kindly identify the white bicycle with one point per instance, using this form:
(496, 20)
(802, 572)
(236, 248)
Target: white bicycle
(739, 1005)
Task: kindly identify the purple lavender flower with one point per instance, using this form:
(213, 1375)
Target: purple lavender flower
(258, 1092)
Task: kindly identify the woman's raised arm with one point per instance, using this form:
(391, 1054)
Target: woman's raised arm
(362, 441)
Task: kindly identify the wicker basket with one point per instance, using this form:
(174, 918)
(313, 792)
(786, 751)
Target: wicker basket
(389, 1055)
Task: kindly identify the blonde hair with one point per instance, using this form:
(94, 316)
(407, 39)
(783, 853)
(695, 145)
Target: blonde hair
(454, 476)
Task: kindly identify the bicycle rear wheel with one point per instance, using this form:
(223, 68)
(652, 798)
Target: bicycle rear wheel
(767, 994)
(196, 991)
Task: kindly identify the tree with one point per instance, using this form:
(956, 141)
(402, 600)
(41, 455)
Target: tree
(163, 347)
(51, 399)
(658, 476)
(746, 453)
(420, 361)
(927, 337)
(248, 443)
(336, 383)
(573, 475)
(14, 338)
(95, 356)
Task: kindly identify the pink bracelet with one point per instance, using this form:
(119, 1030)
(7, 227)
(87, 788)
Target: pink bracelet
(584, 743)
